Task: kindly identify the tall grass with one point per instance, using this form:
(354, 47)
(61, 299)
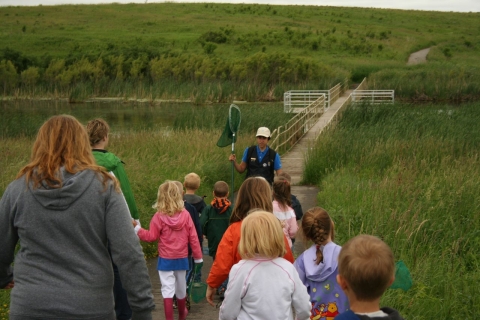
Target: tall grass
(409, 174)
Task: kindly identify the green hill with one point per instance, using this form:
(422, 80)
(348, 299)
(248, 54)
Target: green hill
(221, 52)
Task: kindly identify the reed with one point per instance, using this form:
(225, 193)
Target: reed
(410, 176)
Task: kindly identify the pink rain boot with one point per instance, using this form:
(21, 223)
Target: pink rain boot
(182, 308)
(168, 308)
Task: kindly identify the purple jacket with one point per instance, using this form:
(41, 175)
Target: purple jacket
(326, 296)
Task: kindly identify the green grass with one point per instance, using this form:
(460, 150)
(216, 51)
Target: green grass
(224, 52)
(409, 174)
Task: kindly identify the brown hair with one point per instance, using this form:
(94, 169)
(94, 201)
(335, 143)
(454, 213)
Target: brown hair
(254, 193)
(317, 226)
(261, 234)
(282, 192)
(367, 264)
(286, 176)
(220, 189)
(191, 181)
(97, 130)
(62, 141)
(169, 198)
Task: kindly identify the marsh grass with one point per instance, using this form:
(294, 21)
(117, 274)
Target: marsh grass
(409, 174)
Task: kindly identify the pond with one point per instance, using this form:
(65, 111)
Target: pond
(25, 117)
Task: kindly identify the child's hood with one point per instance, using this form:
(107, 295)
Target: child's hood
(177, 221)
(324, 269)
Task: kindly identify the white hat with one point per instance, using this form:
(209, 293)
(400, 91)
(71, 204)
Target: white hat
(263, 132)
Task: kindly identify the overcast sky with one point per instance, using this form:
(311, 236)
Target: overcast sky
(435, 5)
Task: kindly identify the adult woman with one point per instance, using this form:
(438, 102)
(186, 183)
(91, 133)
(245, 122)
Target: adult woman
(254, 193)
(66, 211)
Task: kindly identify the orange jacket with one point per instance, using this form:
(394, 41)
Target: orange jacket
(227, 255)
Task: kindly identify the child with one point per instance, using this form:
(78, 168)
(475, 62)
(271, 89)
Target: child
(215, 221)
(192, 183)
(318, 265)
(174, 230)
(296, 206)
(254, 193)
(282, 208)
(366, 268)
(263, 285)
(98, 134)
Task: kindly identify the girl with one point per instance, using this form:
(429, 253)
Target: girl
(262, 279)
(318, 265)
(174, 230)
(282, 208)
(254, 193)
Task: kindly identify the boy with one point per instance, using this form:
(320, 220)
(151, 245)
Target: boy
(366, 268)
(192, 183)
(215, 220)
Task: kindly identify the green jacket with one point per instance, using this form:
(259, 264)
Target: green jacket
(113, 164)
(214, 225)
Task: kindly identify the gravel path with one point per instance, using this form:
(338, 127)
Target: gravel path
(418, 57)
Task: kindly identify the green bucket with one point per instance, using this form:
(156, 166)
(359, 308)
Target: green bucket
(198, 291)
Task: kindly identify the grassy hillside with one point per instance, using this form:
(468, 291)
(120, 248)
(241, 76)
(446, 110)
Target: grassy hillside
(220, 52)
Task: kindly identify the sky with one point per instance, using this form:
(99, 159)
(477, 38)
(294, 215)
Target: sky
(430, 5)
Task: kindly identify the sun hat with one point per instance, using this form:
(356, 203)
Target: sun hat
(263, 132)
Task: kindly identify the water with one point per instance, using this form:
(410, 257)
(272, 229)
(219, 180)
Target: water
(25, 117)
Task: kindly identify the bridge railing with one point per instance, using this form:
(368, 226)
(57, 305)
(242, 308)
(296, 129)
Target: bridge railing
(303, 98)
(285, 137)
(373, 96)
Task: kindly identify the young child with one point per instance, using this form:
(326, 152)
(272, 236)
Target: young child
(174, 230)
(263, 285)
(254, 193)
(296, 206)
(318, 265)
(366, 268)
(282, 208)
(98, 134)
(192, 183)
(215, 221)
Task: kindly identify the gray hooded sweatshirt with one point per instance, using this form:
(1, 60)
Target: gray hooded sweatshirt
(63, 268)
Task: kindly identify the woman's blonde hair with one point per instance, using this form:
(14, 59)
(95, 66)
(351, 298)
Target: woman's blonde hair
(254, 193)
(169, 198)
(97, 129)
(317, 226)
(261, 235)
(62, 141)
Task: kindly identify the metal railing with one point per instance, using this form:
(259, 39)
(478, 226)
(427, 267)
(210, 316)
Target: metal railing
(285, 137)
(373, 96)
(303, 98)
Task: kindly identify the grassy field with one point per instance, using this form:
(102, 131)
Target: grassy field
(222, 52)
(409, 175)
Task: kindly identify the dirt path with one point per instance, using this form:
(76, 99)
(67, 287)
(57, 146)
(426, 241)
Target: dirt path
(418, 57)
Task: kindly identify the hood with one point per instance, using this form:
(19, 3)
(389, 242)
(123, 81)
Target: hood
(74, 185)
(106, 159)
(177, 221)
(324, 269)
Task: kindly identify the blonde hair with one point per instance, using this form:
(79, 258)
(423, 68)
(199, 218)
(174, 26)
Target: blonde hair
(191, 181)
(62, 141)
(282, 192)
(254, 193)
(169, 198)
(97, 130)
(317, 226)
(367, 264)
(220, 189)
(262, 235)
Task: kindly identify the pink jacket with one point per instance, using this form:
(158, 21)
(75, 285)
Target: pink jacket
(288, 219)
(173, 235)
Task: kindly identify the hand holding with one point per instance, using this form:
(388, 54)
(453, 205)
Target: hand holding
(232, 157)
(210, 293)
(198, 267)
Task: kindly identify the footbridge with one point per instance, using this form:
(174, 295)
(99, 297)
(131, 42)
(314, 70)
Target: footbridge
(316, 111)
